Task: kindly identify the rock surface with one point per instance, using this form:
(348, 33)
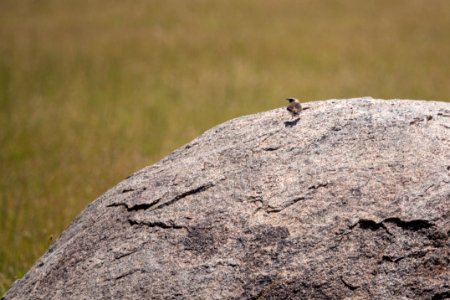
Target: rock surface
(351, 200)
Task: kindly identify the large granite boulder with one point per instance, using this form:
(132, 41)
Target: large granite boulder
(351, 200)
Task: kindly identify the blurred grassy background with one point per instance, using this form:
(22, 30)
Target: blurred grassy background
(91, 91)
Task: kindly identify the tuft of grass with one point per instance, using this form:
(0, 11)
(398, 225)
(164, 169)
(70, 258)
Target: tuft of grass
(91, 91)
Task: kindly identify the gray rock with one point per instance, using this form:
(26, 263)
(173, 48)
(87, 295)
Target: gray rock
(351, 200)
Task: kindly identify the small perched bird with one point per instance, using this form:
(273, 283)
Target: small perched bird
(294, 107)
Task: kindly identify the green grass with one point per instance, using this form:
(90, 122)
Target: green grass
(91, 91)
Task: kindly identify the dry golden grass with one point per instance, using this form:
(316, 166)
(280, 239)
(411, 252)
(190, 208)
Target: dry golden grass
(91, 91)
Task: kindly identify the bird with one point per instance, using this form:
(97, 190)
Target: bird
(294, 107)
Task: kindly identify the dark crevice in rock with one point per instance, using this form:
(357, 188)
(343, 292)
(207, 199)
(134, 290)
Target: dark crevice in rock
(129, 273)
(420, 119)
(336, 128)
(441, 296)
(413, 225)
(443, 114)
(158, 224)
(122, 255)
(117, 205)
(142, 206)
(322, 138)
(130, 189)
(392, 259)
(271, 148)
(190, 145)
(427, 189)
(199, 189)
(271, 209)
(317, 186)
(119, 256)
(369, 224)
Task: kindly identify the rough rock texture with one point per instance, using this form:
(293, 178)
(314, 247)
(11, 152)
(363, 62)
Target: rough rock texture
(351, 200)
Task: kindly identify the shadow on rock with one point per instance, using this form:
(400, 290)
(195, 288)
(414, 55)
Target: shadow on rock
(292, 123)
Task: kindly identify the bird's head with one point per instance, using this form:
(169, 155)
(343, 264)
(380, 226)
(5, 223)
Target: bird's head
(292, 100)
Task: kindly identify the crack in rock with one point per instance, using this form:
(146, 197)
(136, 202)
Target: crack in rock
(444, 114)
(129, 273)
(271, 148)
(120, 255)
(144, 206)
(421, 119)
(159, 224)
(141, 206)
(369, 224)
(393, 259)
(199, 189)
(441, 296)
(317, 186)
(413, 225)
(271, 209)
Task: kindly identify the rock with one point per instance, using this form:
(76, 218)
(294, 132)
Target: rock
(351, 200)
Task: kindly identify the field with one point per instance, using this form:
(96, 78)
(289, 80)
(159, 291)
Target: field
(91, 91)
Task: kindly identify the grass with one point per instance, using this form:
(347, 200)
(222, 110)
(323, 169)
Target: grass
(91, 91)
